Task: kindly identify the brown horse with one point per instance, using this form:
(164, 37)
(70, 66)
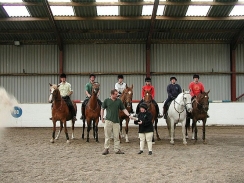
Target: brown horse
(60, 112)
(126, 98)
(92, 113)
(200, 107)
(151, 108)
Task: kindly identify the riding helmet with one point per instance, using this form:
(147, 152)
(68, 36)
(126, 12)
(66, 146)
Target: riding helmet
(92, 75)
(63, 75)
(173, 78)
(195, 76)
(147, 79)
(143, 105)
(120, 76)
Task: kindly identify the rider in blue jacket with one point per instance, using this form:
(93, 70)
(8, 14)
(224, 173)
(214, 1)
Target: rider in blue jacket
(173, 91)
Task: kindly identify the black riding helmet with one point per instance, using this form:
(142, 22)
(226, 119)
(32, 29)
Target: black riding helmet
(120, 76)
(143, 105)
(173, 78)
(147, 79)
(195, 76)
(92, 75)
(63, 75)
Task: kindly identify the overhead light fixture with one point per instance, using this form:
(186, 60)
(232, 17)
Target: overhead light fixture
(16, 43)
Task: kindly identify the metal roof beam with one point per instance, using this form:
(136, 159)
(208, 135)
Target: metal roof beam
(119, 31)
(53, 24)
(118, 41)
(237, 39)
(119, 18)
(85, 4)
(154, 12)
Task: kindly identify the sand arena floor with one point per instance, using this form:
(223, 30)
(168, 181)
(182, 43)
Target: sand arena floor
(26, 155)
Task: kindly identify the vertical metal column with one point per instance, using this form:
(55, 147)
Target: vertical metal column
(233, 74)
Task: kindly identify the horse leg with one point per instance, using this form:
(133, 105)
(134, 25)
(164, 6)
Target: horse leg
(156, 129)
(188, 121)
(121, 129)
(66, 132)
(73, 129)
(93, 127)
(193, 130)
(60, 129)
(184, 131)
(96, 129)
(203, 130)
(172, 132)
(54, 129)
(127, 130)
(83, 129)
(88, 130)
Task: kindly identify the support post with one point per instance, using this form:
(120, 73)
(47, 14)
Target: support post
(233, 74)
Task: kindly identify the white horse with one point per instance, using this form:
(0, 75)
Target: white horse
(177, 113)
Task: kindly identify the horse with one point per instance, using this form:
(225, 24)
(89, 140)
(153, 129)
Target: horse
(177, 113)
(151, 108)
(200, 108)
(92, 113)
(60, 112)
(126, 98)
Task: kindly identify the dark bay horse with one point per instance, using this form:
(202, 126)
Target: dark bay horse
(200, 108)
(60, 112)
(151, 108)
(126, 98)
(92, 113)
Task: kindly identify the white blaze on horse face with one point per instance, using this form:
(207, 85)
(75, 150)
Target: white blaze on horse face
(129, 92)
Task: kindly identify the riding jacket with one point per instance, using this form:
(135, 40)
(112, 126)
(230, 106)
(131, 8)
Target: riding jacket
(196, 88)
(64, 88)
(120, 87)
(173, 91)
(147, 125)
(148, 87)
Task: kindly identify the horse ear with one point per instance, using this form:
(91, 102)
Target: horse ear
(126, 86)
(183, 90)
(208, 91)
(131, 86)
(50, 84)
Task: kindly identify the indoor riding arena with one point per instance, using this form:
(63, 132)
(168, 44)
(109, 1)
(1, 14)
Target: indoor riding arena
(41, 40)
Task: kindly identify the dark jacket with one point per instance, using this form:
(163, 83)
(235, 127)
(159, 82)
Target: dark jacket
(147, 125)
(173, 91)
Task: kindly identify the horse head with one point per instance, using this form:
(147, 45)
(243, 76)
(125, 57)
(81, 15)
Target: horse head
(95, 88)
(202, 101)
(147, 96)
(127, 96)
(187, 100)
(56, 94)
(52, 88)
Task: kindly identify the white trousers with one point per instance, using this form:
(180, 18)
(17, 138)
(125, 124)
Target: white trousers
(148, 137)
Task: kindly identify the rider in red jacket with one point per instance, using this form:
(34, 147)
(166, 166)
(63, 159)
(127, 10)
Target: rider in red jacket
(196, 86)
(148, 86)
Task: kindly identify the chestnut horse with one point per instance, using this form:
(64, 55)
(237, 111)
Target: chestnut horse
(126, 98)
(200, 108)
(92, 113)
(151, 108)
(60, 112)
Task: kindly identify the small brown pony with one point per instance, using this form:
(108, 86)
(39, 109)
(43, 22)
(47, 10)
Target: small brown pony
(126, 98)
(92, 113)
(200, 107)
(151, 108)
(60, 112)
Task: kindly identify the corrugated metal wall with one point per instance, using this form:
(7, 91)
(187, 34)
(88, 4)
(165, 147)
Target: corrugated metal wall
(240, 68)
(116, 58)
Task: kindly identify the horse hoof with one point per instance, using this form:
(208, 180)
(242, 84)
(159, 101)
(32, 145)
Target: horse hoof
(52, 141)
(187, 137)
(204, 142)
(172, 143)
(185, 143)
(153, 142)
(68, 142)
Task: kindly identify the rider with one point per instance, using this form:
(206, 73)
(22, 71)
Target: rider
(148, 86)
(120, 86)
(88, 91)
(196, 87)
(173, 91)
(66, 92)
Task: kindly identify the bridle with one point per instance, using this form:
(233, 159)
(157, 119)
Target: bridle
(202, 106)
(184, 106)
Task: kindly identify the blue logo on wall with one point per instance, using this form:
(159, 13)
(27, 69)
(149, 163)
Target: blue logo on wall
(17, 112)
